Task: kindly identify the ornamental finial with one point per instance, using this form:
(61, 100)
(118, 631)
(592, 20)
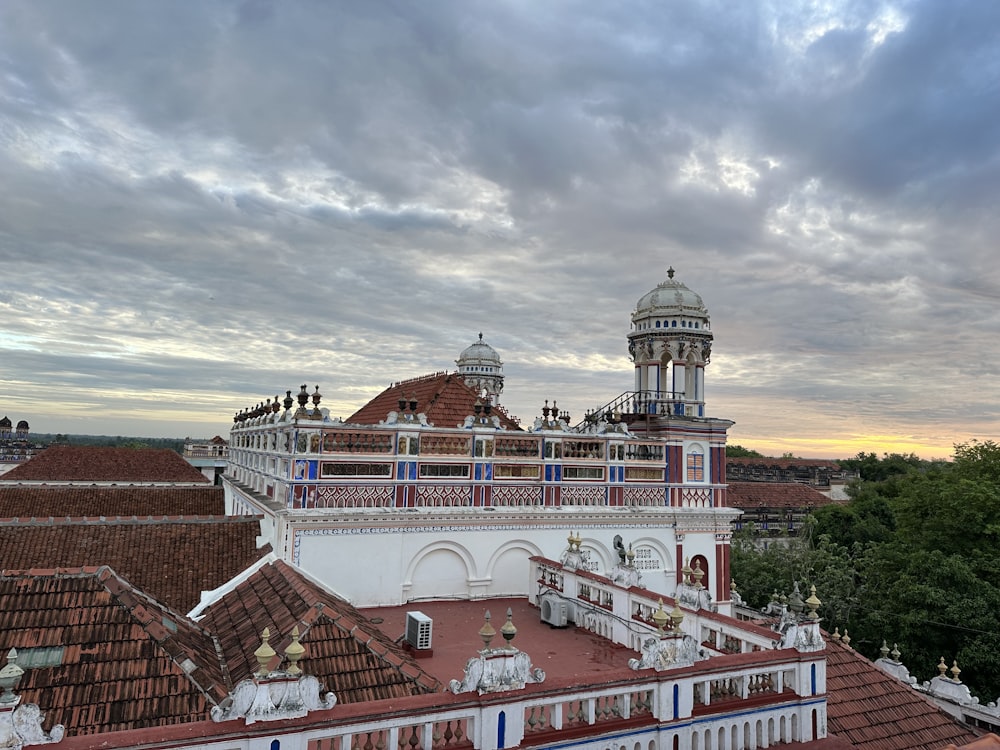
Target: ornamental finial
(264, 653)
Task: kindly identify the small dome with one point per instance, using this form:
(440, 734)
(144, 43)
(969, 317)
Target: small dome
(671, 297)
(22, 425)
(479, 353)
(5, 422)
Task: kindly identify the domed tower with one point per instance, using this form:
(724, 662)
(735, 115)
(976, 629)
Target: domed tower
(22, 430)
(670, 343)
(481, 368)
(5, 426)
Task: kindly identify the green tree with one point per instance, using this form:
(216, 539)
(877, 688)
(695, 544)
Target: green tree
(738, 451)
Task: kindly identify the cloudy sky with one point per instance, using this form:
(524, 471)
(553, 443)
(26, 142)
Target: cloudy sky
(206, 204)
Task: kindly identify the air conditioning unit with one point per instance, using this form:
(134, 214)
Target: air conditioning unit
(555, 612)
(418, 631)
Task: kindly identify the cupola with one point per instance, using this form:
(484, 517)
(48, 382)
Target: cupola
(670, 343)
(481, 369)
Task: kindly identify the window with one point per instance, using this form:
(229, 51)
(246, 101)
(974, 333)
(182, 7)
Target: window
(642, 474)
(583, 472)
(515, 471)
(432, 471)
(355, 470)
(696, 466)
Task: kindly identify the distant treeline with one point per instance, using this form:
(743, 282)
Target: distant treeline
(111, 441)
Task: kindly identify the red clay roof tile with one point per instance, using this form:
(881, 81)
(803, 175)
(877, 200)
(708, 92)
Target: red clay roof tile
(747, 495)
(108, 659)
(173, 559)
(74, 463)
(279, 597)
(78, 501)
(443, 397)
(874, 711)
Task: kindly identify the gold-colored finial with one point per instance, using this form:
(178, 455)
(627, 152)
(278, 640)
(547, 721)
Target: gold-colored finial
(697, 574)
(676, 617)
(264, 653)
(294, 652)
(660, 618)
(955, 671)
(846, 639)
(836, 633)
(813, 603)
(487, 631)
(942, 667)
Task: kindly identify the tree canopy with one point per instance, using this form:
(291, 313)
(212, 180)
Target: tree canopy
(913, 558)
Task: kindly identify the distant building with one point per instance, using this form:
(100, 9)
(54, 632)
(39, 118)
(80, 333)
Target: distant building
(16, 446)
(823, 475)
(775, 510)
(210, 458)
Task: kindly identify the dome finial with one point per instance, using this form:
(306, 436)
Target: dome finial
(480, 335)
(670, 272)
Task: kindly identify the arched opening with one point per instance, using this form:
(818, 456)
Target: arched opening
(501, 729)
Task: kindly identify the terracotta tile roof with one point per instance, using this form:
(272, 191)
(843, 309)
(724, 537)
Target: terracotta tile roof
(173, 559)
(747, 495)
(25, 501)
(785, 463)
(986, 742)
(443, 397)
(874, 711)
(348, 654)
(122, 659)
(73, 463)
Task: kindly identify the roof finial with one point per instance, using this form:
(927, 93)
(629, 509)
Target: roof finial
(670, 272)
(487, 631)
(509, 630)
(10, 675)
(294, 652)
(264, 653)
(480, 335)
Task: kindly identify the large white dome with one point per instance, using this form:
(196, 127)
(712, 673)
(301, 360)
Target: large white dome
(479, 353)
(671, 297)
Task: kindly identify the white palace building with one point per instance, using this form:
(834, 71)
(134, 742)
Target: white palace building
(601, 550)
(431, 491)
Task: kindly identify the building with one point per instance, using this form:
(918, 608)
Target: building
(823, 475)
(775, 510)
(603, 651)
(16, 446)
(210, 458)
(438, 493)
